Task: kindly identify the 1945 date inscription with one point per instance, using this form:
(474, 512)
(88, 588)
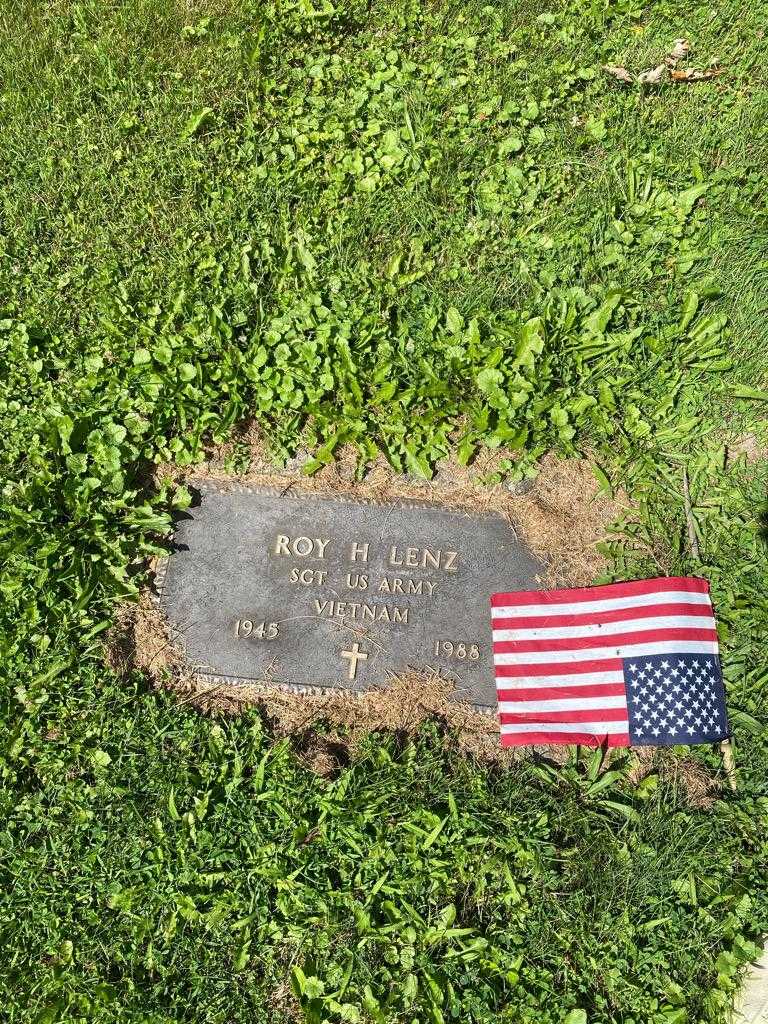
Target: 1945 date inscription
(258, 630)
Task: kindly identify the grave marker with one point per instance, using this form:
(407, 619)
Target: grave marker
(311, 592)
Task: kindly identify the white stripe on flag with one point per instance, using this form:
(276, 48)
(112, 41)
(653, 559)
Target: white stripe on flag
(533, 682)
(603, 653)
(592, 728)
(607, 628)
(564, 704)
(607, 604)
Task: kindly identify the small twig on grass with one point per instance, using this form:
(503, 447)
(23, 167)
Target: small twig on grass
(729, 762)
(198, 694)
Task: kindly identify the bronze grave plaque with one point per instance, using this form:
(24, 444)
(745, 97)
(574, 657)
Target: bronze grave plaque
(307, 591)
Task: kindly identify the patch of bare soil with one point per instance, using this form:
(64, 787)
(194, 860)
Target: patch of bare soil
(748, 446)
(142, 638)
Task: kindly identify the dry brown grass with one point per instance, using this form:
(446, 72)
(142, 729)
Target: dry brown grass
(143, 639)
(748, 446)
(561, 519)
(701, 790)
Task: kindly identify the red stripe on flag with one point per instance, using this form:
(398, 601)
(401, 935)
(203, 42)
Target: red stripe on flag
(544, 738)
(552, 717)
(650, 611)
(613, 640)
(559, 668)
(608, 590)
(562, 692)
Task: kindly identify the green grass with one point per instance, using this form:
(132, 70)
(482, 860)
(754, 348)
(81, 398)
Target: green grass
(412, 227)
(173, 869)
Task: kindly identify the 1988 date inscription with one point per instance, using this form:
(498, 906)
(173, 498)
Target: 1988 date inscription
(305, 591)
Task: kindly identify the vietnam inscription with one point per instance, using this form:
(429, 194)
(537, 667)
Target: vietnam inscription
(310, 591)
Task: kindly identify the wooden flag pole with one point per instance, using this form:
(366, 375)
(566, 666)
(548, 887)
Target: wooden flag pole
(726, 747)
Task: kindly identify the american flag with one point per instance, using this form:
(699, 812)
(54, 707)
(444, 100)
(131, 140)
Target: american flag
(626, 663)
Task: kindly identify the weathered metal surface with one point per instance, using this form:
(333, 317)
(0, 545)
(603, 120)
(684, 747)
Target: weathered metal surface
(323, 592)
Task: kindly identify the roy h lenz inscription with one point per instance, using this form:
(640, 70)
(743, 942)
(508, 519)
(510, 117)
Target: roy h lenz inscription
(311, 592)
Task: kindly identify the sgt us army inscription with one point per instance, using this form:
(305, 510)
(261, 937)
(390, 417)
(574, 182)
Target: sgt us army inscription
(316, 592)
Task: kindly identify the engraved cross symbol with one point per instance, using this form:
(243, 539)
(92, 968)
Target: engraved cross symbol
(354, 656)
